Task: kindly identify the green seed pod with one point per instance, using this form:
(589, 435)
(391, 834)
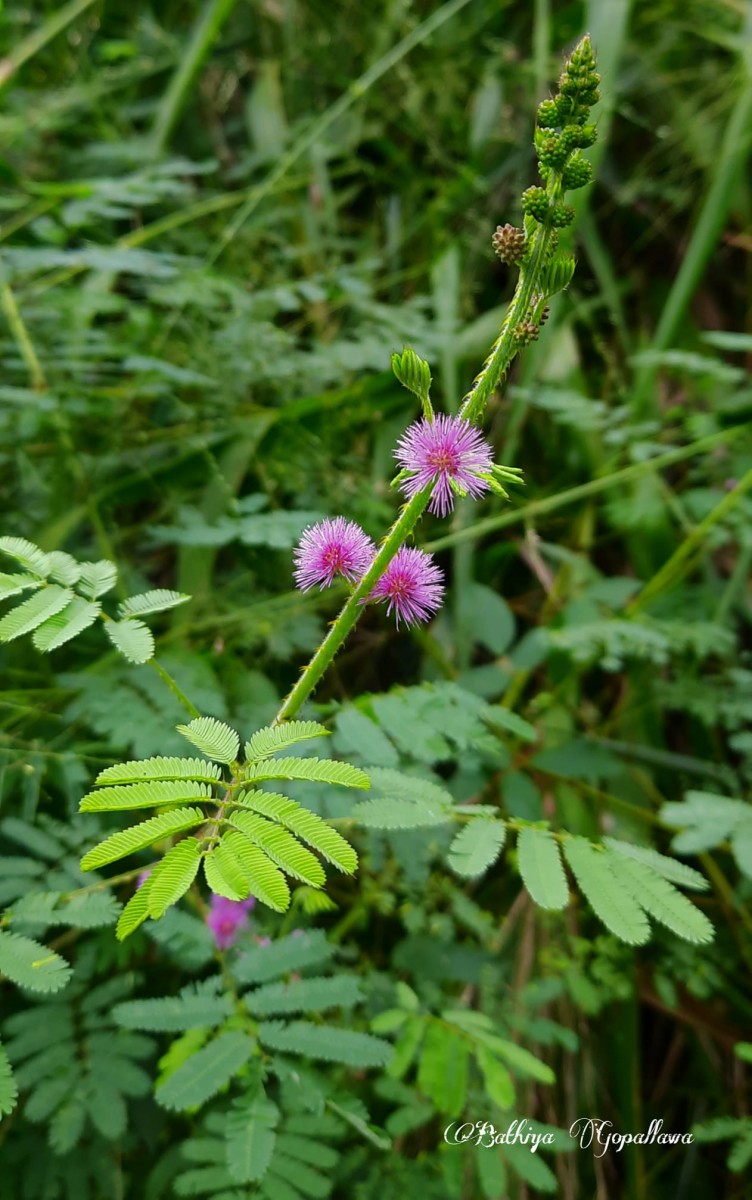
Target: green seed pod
(548, 114)
(577, 173)
(535, 203)
(562, 215)
(586, 136)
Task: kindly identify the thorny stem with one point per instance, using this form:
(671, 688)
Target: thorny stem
(506, 347)
(174, 688)
(353, 606)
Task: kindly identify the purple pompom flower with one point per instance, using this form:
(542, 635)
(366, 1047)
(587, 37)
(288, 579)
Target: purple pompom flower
(333, 547)
(413, 586)
(448, 452)
(226, 917)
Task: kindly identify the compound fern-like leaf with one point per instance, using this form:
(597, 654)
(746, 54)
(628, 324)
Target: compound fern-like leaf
(607, 895)
(540, 866)
(669, 868)
(138, 837)
(202, 1076)
(159, 600)
(250, 1137)
(389, 813)
(295, 952)
(305, 996)
(159, 768)
(306, 825)
(172, 877)
(32, 965)
(476, 847)
(281, 847)
(319, 770)
(132, 638)
(97, 578)
(279, 737)
(145, 795)
(325, 1043)
(8, 1089)
(194, 1007)
(26, 616)
(265, 881)
(213, 738)
(29, 556)
(662, 901)
(77, 616)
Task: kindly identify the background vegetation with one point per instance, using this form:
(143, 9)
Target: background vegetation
(217, 221)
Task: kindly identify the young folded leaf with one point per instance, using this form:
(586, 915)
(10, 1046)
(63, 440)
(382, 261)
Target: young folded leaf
(135, 912)
(224, 874)
(13, 585)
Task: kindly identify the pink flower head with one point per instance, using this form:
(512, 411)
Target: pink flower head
(413, 586)
(444, 452)
(226, 918)
(142, 878)
(333, 547)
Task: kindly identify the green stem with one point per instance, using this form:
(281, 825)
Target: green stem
(353, 606)
(22, 339)
(680, 561)
(505, 347)
(199, 45)
(174, 688)
(40, 37)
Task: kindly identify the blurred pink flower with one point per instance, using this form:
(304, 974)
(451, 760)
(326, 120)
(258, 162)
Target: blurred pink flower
(226, 918)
